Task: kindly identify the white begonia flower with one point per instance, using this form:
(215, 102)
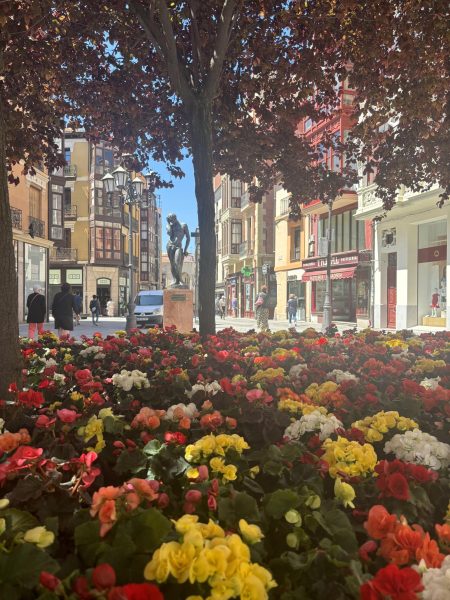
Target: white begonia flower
(297, 370)
(430, 383)
(314, 421)
(50, 362)
(210, 389)
(437, 582)
(91, 350)
(419, 448)
(341, 376)
(128, 379)
(59, 377)
(189, 410)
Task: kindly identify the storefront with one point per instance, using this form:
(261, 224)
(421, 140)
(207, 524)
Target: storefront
(58, 276)
(297, 287)
(350, 286)
(431, 273)
(232, 295)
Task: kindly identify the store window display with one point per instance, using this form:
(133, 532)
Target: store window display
(432, 264)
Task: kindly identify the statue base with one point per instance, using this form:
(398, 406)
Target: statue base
(179, 309)
(178, 286)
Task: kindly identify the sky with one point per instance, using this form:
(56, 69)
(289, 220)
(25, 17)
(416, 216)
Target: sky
(179, 200)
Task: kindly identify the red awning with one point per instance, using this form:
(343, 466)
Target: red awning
(335, 274)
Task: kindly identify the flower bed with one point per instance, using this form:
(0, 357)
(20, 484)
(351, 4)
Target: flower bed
(288, 466)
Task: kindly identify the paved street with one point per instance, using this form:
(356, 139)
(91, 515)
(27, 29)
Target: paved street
(109, 325)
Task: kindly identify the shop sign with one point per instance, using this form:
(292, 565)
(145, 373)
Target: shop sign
(54, 276)
(247, 271)
(74, 276)
(336, 260)
(292, 277)
(434, 254)
(265, 269)
(103, 281)
(122, 281)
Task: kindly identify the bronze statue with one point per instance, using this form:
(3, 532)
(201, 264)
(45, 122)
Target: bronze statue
(176, 232)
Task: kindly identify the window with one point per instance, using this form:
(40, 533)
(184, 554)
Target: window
(236, 192)
(284, 205)
(361, 226)
(295, 252)
(236, 236)
(56, 209)
(307, 125)
(107, 243)
(35, 202)
(56, 233)
(67, 155)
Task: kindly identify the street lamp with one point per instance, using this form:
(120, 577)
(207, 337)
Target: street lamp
(327, 305)
(130, 192)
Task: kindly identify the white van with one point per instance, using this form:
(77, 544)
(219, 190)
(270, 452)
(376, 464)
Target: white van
(149, 307)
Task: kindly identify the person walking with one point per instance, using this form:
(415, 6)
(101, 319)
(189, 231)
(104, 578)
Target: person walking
(262, 310)
(234, 306)
(37, 308)
(292, 306)
(222, 305)
(79, 307)
(63, 308)
(94, 307)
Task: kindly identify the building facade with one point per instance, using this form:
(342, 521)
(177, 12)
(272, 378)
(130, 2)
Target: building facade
(411, 262)
(89, 228)
(29, 211)
(188, 276)
(245, 239)
(150, 243)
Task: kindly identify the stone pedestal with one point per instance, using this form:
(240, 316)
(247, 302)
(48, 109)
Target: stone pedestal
(179, 309)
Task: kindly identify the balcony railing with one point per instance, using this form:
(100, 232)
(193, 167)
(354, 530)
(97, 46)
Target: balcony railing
(37, 227)
(63, 254)
(70, 171)
(16, 218)
(70, 213)
(246, 248)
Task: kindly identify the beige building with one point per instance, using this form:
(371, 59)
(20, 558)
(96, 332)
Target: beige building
(89, 228)
(29, 212)
(245, 245)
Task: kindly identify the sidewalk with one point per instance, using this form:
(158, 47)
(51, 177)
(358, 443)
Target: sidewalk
(242, 324)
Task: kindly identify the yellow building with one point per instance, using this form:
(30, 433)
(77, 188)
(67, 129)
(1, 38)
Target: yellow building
(290, 249)
(29, 212)
(90, 229)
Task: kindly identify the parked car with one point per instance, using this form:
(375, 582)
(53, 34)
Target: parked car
(149, 307)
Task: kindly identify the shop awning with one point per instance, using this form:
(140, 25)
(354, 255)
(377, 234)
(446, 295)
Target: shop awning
(335, 274)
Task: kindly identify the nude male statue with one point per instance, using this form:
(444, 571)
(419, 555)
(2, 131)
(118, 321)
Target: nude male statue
(176, 232)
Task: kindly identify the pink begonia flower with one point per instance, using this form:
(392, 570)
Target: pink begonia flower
(67, 416)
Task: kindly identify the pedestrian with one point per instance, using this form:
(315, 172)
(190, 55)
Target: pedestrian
(94, 307)
(222, 306)
(63, 308)
(234, 306)
(36, 312)
(110, 308)
(79, 307)
(262, 310)
(292, 306)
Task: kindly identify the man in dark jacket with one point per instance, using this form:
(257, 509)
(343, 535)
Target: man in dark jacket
(36, 312)
(79, 307)
(63, 308)
(94, 307)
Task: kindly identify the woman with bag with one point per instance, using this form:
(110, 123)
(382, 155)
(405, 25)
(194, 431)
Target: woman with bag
(63, 307)
(262, 310)
(36, 312)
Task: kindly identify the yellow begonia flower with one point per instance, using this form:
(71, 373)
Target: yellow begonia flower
(2, 526)
(185, 523)
(229, 473)
(39, 536)
(4, 502)
(251, 533)
(344, 493)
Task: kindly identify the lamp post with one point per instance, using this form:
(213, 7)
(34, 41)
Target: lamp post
(327, 306)
(130, 192)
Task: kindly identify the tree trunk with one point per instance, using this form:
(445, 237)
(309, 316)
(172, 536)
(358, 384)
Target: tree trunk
(10, 356)
(201, 137)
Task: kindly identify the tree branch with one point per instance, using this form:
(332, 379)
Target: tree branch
(145, 18)
(195, 41)
(227, 19)
(176, 69)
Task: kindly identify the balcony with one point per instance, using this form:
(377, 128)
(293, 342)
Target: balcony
(37, 227)
(70, 213)
(63, 254)
(70, 171)
(16, 218)
(246, 249)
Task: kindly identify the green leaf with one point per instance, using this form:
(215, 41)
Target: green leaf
(280, 502)
(131, 461)
(241, 506)
(24, 564)
(152, 448)
(88, 542)
(299, 562)
(112, 425)
(26, 489)
(148, 529)
(18, 521)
